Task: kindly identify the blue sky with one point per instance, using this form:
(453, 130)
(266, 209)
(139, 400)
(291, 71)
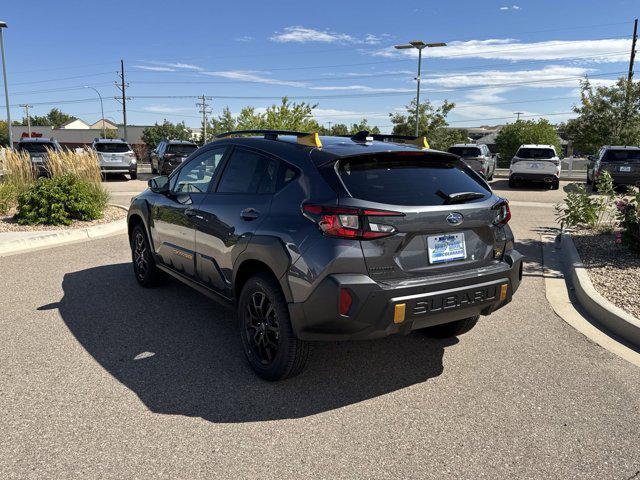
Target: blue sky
(503, 56)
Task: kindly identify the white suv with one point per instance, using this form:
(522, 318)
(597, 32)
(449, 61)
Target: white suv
(535, 163)
(116, 156)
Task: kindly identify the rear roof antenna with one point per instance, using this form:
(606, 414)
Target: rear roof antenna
(362, 136)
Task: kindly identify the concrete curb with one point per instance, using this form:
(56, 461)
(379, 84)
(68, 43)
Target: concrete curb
(602, 310)
(64, 236)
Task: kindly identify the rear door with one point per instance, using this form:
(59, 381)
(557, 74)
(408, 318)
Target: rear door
(436, 234)
(624, 165)
(232, 213)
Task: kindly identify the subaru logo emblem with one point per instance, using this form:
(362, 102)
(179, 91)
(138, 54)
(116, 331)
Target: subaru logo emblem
(455, 218)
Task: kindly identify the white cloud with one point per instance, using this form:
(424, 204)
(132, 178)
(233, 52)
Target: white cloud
(244, 38)
(604, 50)
(154, 69)
(550, 76)
(302, 34)
(346, 114)
(512, 7)
(253, 77)
(362, 88)
(166, 109)
(177, 65)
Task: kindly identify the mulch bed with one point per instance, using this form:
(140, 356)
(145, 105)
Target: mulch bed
(111, 214)
(613, 269)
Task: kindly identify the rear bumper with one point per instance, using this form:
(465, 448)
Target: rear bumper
(535, 177)
(632, 179)
(119, 168)
(375, 309)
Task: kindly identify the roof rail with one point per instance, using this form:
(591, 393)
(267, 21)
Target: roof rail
(304, 138)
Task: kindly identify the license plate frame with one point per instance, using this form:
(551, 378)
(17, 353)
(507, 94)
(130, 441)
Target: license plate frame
(446, 248)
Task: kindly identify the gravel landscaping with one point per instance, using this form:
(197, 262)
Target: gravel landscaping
(613, 269)
(111, 214)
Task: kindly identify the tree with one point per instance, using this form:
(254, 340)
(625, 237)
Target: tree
(606, 116)
(522, 132)
(430, 118)
(442, 138)
(4, 134)
(55, 118)
(152, 136)
(363, 126)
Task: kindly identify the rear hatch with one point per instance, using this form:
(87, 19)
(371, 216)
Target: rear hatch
(114, 154)
(443, 216)
(472, 156)
(178, 152)
(535, 160)
(38, 151)
(622, 164)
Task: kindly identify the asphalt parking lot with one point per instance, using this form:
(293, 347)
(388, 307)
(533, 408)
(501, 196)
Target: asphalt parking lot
(105, 379)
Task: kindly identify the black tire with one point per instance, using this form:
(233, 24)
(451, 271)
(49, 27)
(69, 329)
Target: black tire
(134, 175)
(144, 265)
(588, 180)
(512, 183)
(452, 329)
(594, 186)
(269, 343)
(555, 185)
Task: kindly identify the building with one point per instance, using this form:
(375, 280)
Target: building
(75, 124)
(108, 124)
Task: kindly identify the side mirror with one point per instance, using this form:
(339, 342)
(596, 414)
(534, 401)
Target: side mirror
(159, 184)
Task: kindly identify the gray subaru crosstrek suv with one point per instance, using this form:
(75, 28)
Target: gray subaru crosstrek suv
(327, 238)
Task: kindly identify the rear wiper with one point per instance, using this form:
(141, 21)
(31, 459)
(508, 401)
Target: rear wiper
(459, 197)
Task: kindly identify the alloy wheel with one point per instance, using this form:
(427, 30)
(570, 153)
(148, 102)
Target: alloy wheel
(140, 256)
(261, 328)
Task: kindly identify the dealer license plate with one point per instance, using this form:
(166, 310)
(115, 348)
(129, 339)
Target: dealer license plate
(446, 247)
(625, 169)
(535, 166)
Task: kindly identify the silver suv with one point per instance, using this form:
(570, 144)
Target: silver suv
(478, 157)
(116, 156)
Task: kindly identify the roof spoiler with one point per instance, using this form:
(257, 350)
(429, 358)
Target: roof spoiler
(365, 136)
(304, 138)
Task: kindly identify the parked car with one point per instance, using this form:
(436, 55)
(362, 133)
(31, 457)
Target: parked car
(38, 150)
(478, 157)
(169, 154)
(623, 163)
(327, 238)
(535, 163)
(116, 156)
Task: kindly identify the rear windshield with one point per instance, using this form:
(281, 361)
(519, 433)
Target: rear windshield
(465, 151)
(33, 147)
(541, 153)
(406, 180)
(621, 156)
(181, 149)
(113, 147)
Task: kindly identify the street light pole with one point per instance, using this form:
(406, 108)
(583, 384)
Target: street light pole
(3, 25)
(26, 107)
(419, 45)
(104, 133)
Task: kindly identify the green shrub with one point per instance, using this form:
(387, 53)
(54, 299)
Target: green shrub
(8, 197)
(629, 220)
(59, 200)
(582, 209)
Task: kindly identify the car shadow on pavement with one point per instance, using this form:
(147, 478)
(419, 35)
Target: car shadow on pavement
(503, 184)
(180, 353)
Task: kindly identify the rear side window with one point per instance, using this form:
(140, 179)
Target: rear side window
(465, 151)
(184, 149)
(540, 153)
(621, 156)
(112, 147)
(407, 181)
(249, 172)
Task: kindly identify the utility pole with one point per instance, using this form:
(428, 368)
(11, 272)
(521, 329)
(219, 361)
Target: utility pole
(3, 25)
(329, 122)
(122, 86)
(633, 51)
(204, 110)
(26, 107)
(517, 114)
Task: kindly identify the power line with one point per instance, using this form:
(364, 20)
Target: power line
(64, 78)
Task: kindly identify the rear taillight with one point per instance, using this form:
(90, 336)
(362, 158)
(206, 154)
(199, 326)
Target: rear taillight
(345, 301)
(503, 212)
(346, 222)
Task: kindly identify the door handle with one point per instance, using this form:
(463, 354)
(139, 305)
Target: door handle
(193, 213)
(249, 214)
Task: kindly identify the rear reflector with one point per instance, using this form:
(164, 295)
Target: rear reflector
(399, 312)
(345, 301)
(503, 291)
